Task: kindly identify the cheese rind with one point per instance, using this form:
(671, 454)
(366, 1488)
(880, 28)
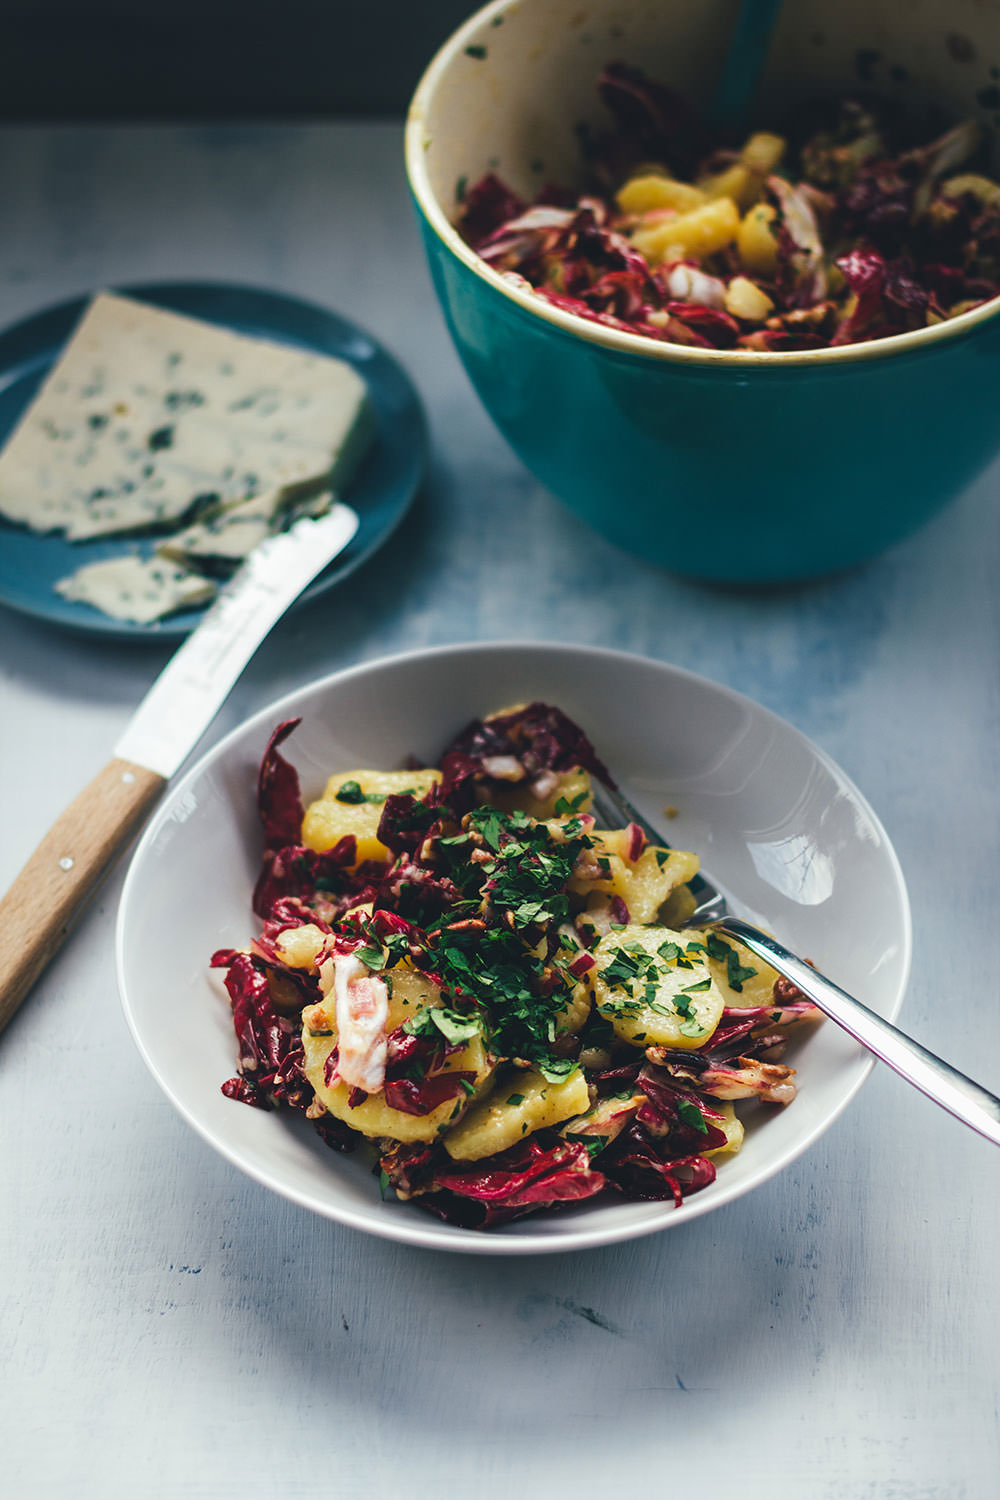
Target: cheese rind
(149, 414)
(136, 588)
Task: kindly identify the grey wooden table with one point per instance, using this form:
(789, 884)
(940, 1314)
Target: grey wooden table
(171, 1328)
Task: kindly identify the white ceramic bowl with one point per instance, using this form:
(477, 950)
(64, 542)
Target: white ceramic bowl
(777, 824)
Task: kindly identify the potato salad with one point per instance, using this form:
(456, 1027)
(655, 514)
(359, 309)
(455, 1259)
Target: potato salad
(457, 967)
(841, 230)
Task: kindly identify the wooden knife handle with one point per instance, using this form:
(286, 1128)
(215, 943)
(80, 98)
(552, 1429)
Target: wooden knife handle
(65, 870)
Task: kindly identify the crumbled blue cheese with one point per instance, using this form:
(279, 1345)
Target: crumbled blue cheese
(232, 534)
(136, 588)
(149, 417)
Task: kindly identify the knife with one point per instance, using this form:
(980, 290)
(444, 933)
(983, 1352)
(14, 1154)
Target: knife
(52, 889)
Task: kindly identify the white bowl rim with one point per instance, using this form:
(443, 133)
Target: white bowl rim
(435, 1235)
(635, 344)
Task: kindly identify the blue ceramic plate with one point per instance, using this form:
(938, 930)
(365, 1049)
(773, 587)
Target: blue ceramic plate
(30, 564)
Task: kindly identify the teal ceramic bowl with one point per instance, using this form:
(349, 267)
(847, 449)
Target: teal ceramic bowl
(735, 466)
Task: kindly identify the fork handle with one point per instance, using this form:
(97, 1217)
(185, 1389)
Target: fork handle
(956, 1093)
(78, 850)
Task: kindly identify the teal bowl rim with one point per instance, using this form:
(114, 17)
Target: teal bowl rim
(416, 144)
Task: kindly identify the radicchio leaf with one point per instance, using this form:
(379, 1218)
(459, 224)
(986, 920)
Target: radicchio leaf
(719, 329)
(677, 1117)
(293, 871)
(527, 1177)
(414, 1080)
(407, 820)
(728, 1077)
(270, 1045)
(738, 1024)
(279, 800)
(654, 122)
(633, 1164)
(421, 1096)
(539, 736)
(864, 272)
(486, 205)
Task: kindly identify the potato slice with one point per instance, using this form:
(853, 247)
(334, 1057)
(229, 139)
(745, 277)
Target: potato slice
(521, 1105)
(743, 978)
(656, 988)
(732, 1125)
(410, 993)
(679, 907)
(373, 1117)
(300, 947)
(352, 804)
(756, 243)
(693, 235)
(737, 182)
(643, 883)
(572, 1016)
(743, 180)
(652, 190)
(745, 299)
(762, 151)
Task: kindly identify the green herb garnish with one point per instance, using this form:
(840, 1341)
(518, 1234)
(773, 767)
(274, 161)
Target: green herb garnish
(692, 1115)
(566, 806)
(736, 973)
(350, 791)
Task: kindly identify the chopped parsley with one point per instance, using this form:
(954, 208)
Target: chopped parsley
(373, 958)
(519, 886)
(453, 1026)
(352, 792)
(736, 973)
(566, 806)
(692, 1115)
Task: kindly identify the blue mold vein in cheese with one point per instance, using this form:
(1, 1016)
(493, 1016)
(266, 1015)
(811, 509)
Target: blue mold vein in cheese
(232, 534)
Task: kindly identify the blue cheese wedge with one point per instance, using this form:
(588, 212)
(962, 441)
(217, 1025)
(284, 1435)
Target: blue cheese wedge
(150, 417)
(136, 588)
(228, 537)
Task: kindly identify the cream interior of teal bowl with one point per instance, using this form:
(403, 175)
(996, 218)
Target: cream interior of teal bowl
(511, 90)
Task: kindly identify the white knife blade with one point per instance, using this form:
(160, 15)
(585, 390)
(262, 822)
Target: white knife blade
(84, 842)
(198, 678)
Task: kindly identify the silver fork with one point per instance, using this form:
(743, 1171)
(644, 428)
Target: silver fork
(956, 1093)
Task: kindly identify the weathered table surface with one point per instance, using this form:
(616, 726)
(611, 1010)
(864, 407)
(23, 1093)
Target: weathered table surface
(174, 1329)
